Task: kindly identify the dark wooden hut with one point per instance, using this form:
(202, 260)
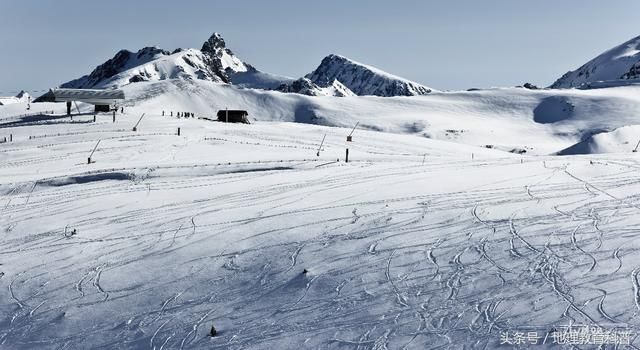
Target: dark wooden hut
(233, 116)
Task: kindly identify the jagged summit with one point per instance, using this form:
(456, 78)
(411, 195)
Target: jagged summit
(617, 65)
(221, 59)
(214, 43)
(363, 79)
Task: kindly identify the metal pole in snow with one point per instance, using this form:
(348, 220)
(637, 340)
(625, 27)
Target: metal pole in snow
(227, 114)
(354, 129)
(94, 149)
(321, 143)
(135, 127)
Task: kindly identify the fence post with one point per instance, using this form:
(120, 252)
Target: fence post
(346, 158)
(114, 116)
(178, 131)
(94, 118)
(10, 137)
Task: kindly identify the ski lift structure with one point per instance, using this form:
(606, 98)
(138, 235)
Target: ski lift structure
(104, 100)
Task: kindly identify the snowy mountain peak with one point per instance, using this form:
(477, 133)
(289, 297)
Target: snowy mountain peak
(222, 60)
(363, 79)
(23, 95)
(336, 76)
(619, 64)
(213, 44)
(122, 61)
(152, 52)
(214, 62)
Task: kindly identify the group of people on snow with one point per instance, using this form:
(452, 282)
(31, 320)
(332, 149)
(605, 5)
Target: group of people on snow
(182, 114)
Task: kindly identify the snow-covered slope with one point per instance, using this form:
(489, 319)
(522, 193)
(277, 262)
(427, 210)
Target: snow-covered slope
(122, 62)
(362, 79)
(307, 87)
(510, 119)
(620, 64)
(214, 62)
(621, 140)
(410, 245)
(255, 79)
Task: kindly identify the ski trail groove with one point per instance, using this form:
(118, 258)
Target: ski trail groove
(96, 281)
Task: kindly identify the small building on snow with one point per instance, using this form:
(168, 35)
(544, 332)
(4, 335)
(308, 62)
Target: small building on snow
(233, 116)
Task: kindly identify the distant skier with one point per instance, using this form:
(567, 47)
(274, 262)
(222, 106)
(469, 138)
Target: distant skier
(121, 110)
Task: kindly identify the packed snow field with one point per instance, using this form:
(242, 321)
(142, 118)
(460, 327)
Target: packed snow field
(539, 122)
(415, 243)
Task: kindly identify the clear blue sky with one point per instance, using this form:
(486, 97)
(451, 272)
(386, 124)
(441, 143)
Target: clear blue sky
(450, 44)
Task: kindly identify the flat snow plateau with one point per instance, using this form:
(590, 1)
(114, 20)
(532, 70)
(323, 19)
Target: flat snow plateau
(411, 245)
